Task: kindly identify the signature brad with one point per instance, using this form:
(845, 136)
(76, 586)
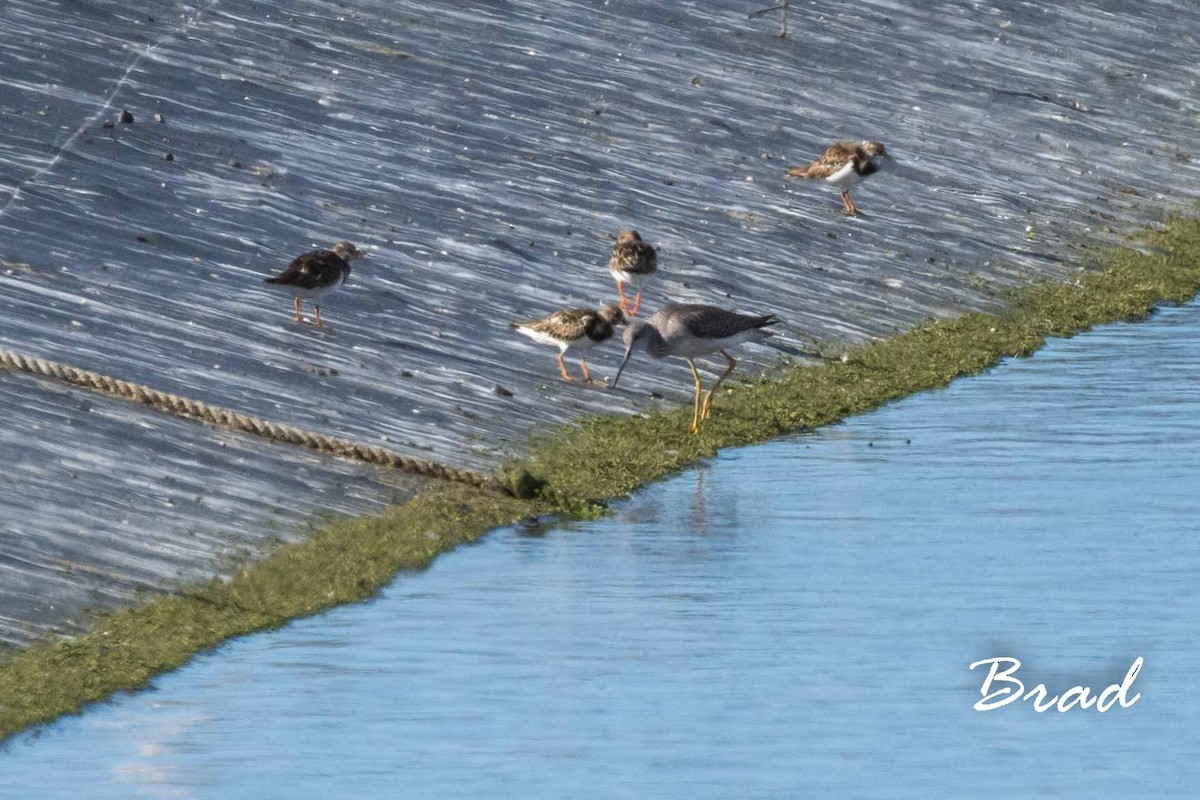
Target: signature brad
(1012, 689)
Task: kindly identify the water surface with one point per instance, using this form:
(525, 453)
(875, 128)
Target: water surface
(794, 619)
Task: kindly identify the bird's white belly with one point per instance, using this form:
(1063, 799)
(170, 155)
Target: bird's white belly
(845, 177)
(634, 279)
(313, 294)
(582, 343)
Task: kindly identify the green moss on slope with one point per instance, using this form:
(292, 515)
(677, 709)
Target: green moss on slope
(344, 563)
(608, 457)
(573, 472)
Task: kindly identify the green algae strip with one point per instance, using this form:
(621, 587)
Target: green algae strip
(574, 472)
(346, 562)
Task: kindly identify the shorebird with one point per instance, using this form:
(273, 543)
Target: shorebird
(690, 331)
(633, 261)
(573, 329)
(315, 274)
(845, 165)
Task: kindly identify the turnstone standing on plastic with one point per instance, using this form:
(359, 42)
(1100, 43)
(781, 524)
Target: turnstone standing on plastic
(690, 331)
(315, 274)
(573, 329)
(634, 262)
(845, 165)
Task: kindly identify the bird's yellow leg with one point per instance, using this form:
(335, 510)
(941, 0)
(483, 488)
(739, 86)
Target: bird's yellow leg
(587, 377)
(696, 402)
(317, 314)
(637, 303)
(706, 409)
(563, 369)
(296, 308)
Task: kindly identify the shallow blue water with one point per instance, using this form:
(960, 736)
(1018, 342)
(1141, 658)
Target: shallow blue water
(790, 620)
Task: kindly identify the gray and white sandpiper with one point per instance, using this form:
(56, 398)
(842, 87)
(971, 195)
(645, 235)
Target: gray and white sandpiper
(578, 329)
(690, 331)
(845, 165)
(316, 274)
(634, 262)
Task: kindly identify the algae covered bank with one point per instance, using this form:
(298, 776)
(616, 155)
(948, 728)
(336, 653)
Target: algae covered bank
(484, 155)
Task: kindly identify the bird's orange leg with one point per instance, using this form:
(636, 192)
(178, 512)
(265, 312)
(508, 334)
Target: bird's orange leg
(621, 291)
(317, 313)
(296, 308)
(587, 376)
(850, 207)
(637, 303)
(563, 369)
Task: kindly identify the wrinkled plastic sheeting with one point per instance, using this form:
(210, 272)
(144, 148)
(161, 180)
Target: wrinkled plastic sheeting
(482, 149)
(104, 500)
(485, 151)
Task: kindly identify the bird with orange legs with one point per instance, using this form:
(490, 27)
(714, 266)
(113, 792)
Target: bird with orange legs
(578, 329)
(634, 262)
(316, 274)
(845, 165)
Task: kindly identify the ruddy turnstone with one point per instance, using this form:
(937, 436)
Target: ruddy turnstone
(573, 329)
(691, 331)
(316, 274)
(634, 262)
(844, 164)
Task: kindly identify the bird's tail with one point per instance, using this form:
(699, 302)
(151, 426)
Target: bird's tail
(764, 321)
(272, 280)
(799, 172)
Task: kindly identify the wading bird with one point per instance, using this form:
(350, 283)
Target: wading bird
(577, 329)
(691, 331)
(316, 274)
(634, 262)
(845, 165)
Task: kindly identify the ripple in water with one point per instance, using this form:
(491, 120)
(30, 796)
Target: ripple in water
(791, 619)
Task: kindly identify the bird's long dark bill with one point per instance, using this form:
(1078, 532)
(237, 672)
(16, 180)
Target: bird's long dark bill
(628, 353)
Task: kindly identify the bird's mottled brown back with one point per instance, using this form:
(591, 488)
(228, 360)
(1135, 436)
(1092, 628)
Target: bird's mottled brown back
(833, 159)
(572, 323)
(861, 154)
(315, 270)
(632, 255)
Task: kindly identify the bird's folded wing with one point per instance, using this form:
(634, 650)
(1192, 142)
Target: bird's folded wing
(636, 257)
(835, 158)
(563, 324)
(312, 270)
